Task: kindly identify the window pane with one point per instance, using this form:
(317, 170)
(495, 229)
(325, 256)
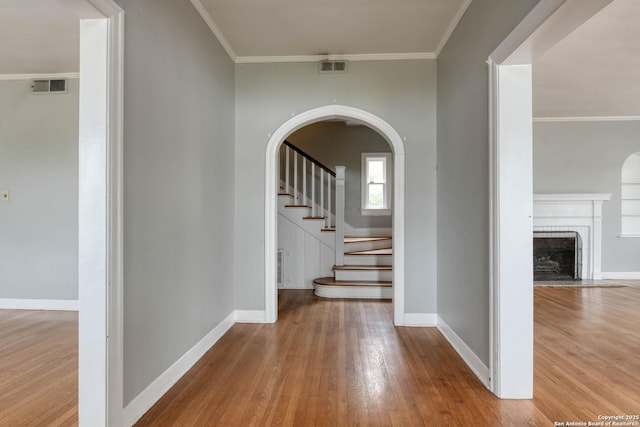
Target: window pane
(376, 196)
(376, 171)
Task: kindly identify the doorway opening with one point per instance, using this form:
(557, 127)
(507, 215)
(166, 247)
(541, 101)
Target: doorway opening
(321, 114)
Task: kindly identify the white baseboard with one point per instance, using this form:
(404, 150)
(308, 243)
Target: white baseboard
(621, 275)
(469, 357)
(38, 304)
(250, 316)
(145, 400)
(420, 319)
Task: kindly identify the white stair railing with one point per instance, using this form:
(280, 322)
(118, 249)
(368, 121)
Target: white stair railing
(305, 176)
(339, 248)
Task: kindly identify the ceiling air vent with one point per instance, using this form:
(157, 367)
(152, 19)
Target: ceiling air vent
(49, 86)
(333, 66)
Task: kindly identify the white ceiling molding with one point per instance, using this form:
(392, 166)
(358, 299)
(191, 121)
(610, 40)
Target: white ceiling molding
(588, 119)
(39, 76)
(452, 26)
(214, 28)
(355, 57)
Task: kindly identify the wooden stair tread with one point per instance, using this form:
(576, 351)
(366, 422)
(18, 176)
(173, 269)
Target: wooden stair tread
(285, 194)
(364, 239)
(386, 251)
(296, 206)
(314, 217)
(362, 267)
(330, 281)
(329, 229)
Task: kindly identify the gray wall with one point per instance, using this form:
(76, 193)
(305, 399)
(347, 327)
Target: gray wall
(178, 195)
(587, 157)
(463, 168)
(400, 92)
(39, 167)
(336, 144)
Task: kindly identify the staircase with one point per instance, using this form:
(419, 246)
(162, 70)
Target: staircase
(367, 271)
(362, 266)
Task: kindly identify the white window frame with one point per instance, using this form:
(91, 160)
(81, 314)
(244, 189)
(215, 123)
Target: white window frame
(630, 217)
(365, 209)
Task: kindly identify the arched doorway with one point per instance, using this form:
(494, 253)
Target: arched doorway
(332, 112)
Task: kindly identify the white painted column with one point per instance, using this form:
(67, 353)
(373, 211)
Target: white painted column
(340, 177)
(92, 225)
(512, 215)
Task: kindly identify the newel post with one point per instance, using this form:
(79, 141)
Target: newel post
(340, 175)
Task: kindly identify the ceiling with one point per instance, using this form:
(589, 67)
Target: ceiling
(595, 71)
(277, 28)
(38, 36)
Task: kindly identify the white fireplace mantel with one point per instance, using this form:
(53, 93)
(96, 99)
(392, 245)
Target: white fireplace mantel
(580, 212)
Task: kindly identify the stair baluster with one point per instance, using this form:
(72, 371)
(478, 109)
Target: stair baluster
(304, 181)
(295, 178)
(328, 221)
(313, 189)
(287, 188)
(321, 213)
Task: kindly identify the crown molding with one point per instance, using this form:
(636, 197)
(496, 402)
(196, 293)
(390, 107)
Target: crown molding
(214, 28)
(588, 119)
(353, 57)
(39, 76)
(452, 26)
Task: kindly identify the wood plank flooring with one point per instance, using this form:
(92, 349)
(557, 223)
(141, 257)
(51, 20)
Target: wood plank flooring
(335, 363)
(38, 368)
(340, 363)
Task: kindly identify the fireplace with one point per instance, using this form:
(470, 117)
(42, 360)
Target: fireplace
(557, 255)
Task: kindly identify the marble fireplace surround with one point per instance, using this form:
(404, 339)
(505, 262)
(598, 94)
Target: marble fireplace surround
(579, 212)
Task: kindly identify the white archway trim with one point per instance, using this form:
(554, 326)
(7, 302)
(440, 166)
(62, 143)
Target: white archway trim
(330, 112)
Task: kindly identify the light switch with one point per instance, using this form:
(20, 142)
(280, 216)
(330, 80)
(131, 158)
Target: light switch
(5, 196)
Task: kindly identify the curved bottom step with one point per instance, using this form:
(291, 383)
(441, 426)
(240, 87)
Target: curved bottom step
(328, 287)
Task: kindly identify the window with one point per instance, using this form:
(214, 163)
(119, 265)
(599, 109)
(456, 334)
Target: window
(631, 196)
(376, 184)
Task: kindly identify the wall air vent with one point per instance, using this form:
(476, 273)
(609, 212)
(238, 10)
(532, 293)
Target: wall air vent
(49, 86)
(333, 66)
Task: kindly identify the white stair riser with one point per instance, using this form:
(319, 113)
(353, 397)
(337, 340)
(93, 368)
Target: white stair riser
(367, 246)
(370, 292)
(368, 260)
(364, 275)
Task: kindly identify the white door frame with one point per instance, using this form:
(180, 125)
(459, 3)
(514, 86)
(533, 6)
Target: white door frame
(100, 373)
(511, 189)
(331, 112)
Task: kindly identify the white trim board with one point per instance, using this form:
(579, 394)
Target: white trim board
(588, 119)
(38, 304)
(452, 26)
(154, 391)
(470, 358)
(39, 76)
(620, 275)
(421, 319)
(353, 57)
(214, 28)
(250, 316)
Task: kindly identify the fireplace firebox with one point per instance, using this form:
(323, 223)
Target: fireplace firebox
(557, 255)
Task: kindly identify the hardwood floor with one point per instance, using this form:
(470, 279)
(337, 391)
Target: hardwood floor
(38, 368)
(331, 362)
